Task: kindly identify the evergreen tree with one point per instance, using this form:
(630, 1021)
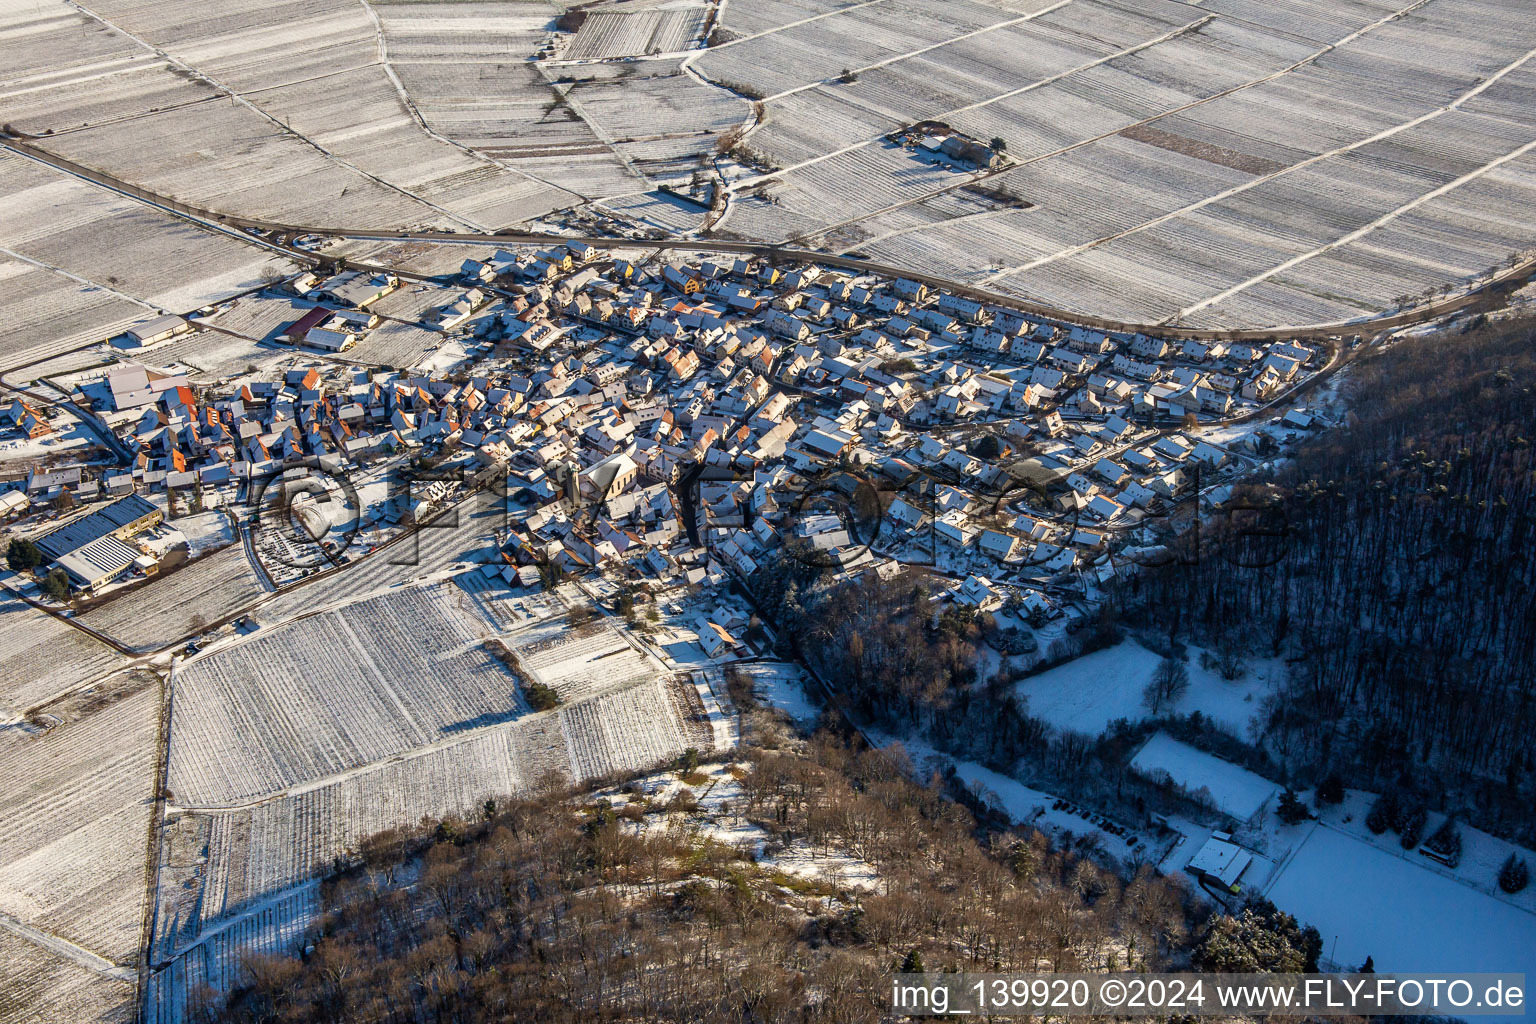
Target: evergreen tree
(1291, 810)
(1369, 967)
(1446, 842)
(1413, 826)
(1382, 812)
(1261, 938)
(912, 963)
(23, 555)
(1404, 811)
(56, 585)
(1331, 789)
(1514, 875)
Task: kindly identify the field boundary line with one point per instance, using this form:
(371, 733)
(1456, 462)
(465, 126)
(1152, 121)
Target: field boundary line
(71, 951)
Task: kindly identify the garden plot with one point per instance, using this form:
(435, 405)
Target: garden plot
(179, 603)
(505, 607)
(1088, 693)
(42, 985)
(1233, 790)
(74, 818)
(1368, 902)
(41, 656)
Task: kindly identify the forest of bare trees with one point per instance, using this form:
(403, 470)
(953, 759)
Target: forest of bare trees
(556, 907)
(898, 664)
(1398, 580)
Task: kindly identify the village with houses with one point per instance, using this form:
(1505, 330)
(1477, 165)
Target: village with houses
(581, 460)
(1011, 454)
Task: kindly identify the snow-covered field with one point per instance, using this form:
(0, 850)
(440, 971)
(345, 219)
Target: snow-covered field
(1088, 693)
(42, 985)
(40, 656)
(179, 603)
(1367, 901)
(74, 818)
(331, 692)
(1234, 790)
(783, 685)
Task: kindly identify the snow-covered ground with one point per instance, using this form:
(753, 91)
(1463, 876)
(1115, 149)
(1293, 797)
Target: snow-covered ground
(1235, 790)
(68, 435)
(782, 685)
(1367, 901)
(204, 532)
(1034, 809)
(1088, 693)
(714, 820)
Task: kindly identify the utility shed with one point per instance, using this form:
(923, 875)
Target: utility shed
(1221, 861)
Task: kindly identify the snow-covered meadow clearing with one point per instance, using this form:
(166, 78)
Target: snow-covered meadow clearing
(718, 796)
(1367, 901)
(1087, 693)
(1234, 790)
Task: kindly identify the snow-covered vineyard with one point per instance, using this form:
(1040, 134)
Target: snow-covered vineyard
(353, 519)
(1231, 165)
(291, 747)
